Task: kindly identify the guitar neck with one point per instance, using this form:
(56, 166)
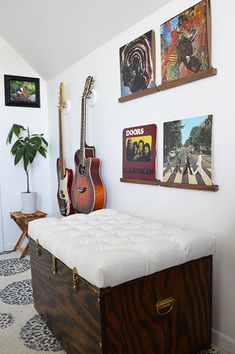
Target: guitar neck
(86, 93)
(83, 130)
(61, 144)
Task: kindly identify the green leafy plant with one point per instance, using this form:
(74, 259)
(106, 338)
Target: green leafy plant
(26, 147)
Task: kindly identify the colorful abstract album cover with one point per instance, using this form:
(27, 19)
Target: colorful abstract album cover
(139, 152)
(187, 151)
(137, 62)
(185, 43)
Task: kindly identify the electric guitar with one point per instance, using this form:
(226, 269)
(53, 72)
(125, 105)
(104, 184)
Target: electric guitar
(65, 175)
(88, 191)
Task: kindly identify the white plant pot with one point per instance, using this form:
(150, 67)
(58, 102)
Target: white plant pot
(29, 202)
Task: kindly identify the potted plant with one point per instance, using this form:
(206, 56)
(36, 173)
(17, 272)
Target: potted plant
(25, 149)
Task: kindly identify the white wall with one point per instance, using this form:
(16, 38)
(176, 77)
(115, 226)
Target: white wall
(1, 228)
(12, 178)
(207, 211)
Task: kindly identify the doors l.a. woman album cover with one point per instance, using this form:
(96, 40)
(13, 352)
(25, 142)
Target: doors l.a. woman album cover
(139, 152)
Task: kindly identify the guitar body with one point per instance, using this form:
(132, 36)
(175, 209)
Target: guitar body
(64, 191)
(89, 152)
(65, 175)
(88, 191)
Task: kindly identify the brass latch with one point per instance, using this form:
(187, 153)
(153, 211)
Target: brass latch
(165, 306)
(38, 248)
(54, 264)
(75, 278)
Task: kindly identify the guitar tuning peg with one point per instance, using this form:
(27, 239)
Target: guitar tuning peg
(67, 106)
(92, 98)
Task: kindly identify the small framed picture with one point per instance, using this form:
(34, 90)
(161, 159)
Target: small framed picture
(22, 91)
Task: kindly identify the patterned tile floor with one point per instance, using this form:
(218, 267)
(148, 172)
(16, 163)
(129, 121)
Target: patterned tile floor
(214, 350)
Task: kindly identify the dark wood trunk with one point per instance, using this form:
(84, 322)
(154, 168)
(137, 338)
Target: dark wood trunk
(132, 324)
(124, 319)
(72, 315)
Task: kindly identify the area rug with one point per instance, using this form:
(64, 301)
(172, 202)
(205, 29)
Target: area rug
(22, 330)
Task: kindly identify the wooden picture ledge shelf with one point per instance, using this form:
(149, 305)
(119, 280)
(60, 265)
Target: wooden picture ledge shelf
(138, 94)
(185, 80)
(155, 182)
(212, 188)
(170, 84)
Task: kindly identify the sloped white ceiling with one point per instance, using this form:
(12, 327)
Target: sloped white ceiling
(53, 34)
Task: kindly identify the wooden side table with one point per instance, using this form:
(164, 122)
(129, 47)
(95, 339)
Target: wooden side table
(22, 221)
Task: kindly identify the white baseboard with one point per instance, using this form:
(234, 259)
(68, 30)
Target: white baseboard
(9, 247)
(222, 341)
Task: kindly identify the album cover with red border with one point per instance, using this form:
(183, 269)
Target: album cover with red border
(139, 152)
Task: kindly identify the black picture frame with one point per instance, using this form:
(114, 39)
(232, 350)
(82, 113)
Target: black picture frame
(22, 91)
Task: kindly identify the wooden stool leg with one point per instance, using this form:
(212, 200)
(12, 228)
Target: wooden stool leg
(20, 240)
(22, 221)
(25, 250)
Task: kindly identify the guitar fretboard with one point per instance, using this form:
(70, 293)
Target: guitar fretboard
(61, 144)
(83, 130)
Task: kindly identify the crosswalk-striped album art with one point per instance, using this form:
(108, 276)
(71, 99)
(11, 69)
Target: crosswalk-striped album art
(187, 151)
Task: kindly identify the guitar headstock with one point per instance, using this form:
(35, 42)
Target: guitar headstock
(88, 87)
(61, 95)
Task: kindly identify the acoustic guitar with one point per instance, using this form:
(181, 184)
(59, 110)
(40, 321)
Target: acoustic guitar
(65, 175)
(88, 191)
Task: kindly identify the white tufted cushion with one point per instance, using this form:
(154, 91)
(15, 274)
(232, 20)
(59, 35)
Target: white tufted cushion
(109, 248)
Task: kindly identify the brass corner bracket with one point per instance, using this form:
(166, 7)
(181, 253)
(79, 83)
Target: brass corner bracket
(75, 278)
(38, 248)
(54, 264)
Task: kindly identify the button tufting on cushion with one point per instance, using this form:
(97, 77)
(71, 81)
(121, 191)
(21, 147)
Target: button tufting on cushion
(109, 248)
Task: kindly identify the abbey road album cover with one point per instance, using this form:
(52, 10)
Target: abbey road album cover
(187, 151)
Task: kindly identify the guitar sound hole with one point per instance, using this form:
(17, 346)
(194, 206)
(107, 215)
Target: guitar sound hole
(62, 195)
(81, 170)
